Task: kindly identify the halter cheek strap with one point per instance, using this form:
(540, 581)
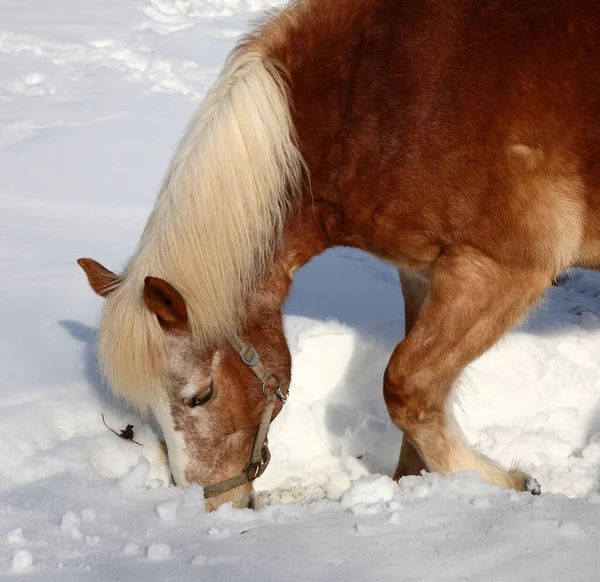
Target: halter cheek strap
(260, 457)
(250, 357)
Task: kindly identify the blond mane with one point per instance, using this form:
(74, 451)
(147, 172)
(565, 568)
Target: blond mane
(215, 225)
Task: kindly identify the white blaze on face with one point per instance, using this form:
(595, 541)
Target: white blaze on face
(176, 447)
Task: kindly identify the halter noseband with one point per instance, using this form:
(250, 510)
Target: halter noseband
(260, 457)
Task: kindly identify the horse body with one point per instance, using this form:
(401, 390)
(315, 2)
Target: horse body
(458, 140)
(427, 125)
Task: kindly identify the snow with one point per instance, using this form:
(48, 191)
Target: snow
(136, 477)
(16, 536)
(158, 551)
(130, 549)
(167, 510)
(22, 561)
(70, 525)
(93, 98)
(371, 490)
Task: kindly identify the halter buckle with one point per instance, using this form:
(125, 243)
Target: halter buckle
(249, 356)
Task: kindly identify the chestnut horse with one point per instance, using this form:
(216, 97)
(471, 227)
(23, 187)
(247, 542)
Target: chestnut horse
(457, 139)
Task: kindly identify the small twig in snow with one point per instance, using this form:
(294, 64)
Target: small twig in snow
(126, 433)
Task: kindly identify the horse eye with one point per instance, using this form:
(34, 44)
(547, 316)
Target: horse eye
(203, 398)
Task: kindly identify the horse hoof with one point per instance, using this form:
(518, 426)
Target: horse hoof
(532, 486)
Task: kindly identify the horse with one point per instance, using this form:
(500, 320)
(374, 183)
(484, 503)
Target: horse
(458, 140)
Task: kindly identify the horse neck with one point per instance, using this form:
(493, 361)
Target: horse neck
(305, 236)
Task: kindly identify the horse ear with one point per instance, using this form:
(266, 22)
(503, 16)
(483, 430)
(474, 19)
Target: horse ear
(167, 303)
(101, 280)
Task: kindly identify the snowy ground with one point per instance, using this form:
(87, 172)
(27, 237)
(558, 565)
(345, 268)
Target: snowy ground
(93, 95)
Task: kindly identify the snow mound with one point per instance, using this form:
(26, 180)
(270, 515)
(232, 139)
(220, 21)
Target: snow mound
(374, 489)
(22, 561)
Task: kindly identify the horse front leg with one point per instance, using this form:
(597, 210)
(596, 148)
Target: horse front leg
(473, 300)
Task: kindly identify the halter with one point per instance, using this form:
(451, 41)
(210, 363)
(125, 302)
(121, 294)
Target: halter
(260, 457)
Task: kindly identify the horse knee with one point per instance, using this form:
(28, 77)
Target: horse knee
(394, 395)
(411, 399)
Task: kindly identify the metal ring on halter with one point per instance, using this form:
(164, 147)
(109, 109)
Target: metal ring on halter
(277, 390)
(255, 470)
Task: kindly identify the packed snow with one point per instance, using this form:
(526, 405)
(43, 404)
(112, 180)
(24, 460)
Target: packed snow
(93, 96)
